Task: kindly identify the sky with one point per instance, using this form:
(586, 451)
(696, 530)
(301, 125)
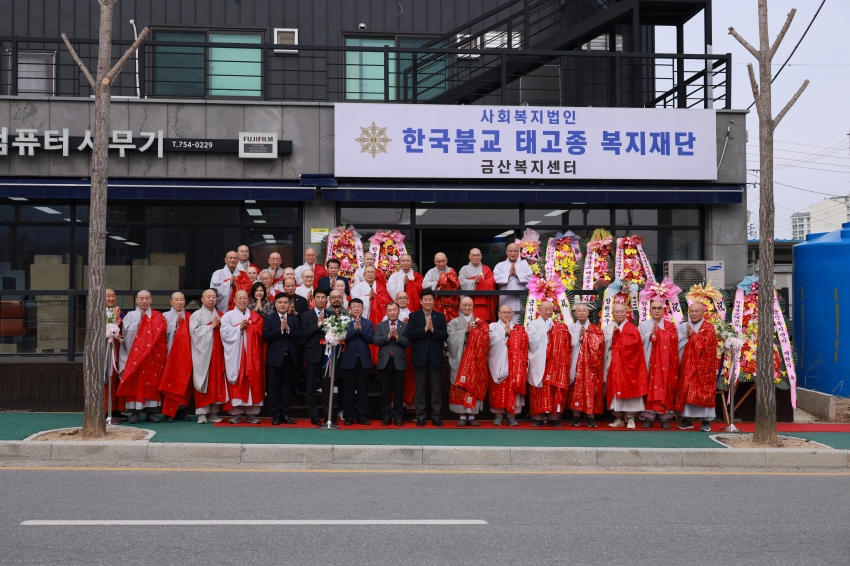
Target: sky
(812, 149)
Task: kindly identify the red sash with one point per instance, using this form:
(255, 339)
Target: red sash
(377, 310)
(146, 362)
(319, 271)
(252, 374)
(503, 395)
(473, 375)
(698, 371)
(627, 374)
(557, 371)
(448, 304)
(663, 370)
(243, 283)
(483, 307)
(586, 393)
(176, 383)
(216, 380)
(413, 288)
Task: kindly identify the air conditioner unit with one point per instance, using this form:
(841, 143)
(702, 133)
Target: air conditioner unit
(685, 274)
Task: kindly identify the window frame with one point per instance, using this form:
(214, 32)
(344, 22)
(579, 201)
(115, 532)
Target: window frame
(285, 51)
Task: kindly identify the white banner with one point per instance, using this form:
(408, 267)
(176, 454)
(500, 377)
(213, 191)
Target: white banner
(523, 142)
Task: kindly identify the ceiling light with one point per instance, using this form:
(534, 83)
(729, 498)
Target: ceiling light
(421, 211)
(250, 202)
(47, 209)
(555, 213)
(17, 198)
(268, 236)
(254, 211)
(505, 233)
(259, 221)
(533, 222)
(66, 219)
(131, 243)
(119, 238)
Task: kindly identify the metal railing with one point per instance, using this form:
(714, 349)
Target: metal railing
(482, 75)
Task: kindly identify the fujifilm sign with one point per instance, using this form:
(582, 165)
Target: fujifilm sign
(262, 145)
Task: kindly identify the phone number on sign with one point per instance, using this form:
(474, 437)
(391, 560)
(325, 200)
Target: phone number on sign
(179, 144)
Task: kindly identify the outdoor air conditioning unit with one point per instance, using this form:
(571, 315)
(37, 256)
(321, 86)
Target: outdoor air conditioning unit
(685, 274)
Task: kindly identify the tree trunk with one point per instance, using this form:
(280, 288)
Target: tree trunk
(765, 432)
(94, 421)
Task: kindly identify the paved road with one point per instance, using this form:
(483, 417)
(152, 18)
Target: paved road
(582, 519)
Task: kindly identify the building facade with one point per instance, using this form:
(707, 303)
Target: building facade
(829, 214)
(224, 133)
(801, 225)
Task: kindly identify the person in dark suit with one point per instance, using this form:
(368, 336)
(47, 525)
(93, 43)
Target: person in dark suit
(281, 331)
(333, 275)
(427, 331)
(355, 361)
(392, 342)
(314, 353)
(298, 305)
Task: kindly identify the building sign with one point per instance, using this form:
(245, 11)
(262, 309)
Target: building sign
(257, 145)
(28, 141)
(523, 142)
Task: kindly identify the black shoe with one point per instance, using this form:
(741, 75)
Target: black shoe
(706, 426)
(168, 419)
(399, 422)
(276, 421)
(646, 424)
(576, 421)
(349, 422)
(437, 421)
(410, 417)
(134, 418)
(420, 422)
(364, 422)
(686, 424)
(182, 416)
(151, 418)
(315, 421)
(472, 422)
(118, 416)
(554, 424)
(665, 424)
(287, 420)
(591, 422)
(386, 422)
(535, 423)
(335, 420)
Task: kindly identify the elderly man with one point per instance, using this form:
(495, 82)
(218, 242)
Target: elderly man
(339, 286)
(355, 361)
(176, 384)
(476, 276)
(310, 263)
(427, 331)
(333, 276)
(288, 273)
(297, 303)
(142, 359)
(660, 348)
(244, 355)
(441, 277)
(272, 289)
(513, 274)
(306, 288)
(697, 369)
(402, 300)
(625, 368)
(407, 280)
(373, 293)
(587, 391)
(548, 367)
(208, 360)
(391, 339)
(368, 261)
(113, 316)
(229, 279)
(243, 252)
(468, 344)
(253, 273)
(508, 365)
(274, 268)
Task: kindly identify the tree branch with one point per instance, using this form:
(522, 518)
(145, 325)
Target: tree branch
(790, 104)
(80, 63)
(743, 42)
(755, 87)
(782, 32)
(129, 53)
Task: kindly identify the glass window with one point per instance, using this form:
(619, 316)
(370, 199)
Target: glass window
(650, 247)
(386, 216)
(32, 211)
(264, 242)
(270, 213)
(682, 244)
(431, 72)
(364, 71)
(465, 216)
(572, 215)
(179, 71)
(36, 73)
(35, 257)
(234, 71)
(636, 217)
(173, 213)
(681, 217)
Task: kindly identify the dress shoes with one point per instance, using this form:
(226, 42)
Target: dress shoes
(554, 424)
(182, 416)
(399, 422)
(420, 422)
(276, 421)
(349, 422)
(118, 416)
(437, 421)
(287, 420)
(364, 422)
(315, 421)
(386, 422)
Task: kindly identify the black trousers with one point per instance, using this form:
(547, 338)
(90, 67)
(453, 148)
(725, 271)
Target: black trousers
(423, 375)
(279, 386)
(392, 391)
(356, 394)
(314, 373)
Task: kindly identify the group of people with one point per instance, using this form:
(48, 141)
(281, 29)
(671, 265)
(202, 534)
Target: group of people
(258, 328)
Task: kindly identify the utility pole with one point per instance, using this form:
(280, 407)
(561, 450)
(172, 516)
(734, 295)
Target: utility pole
(765, 433)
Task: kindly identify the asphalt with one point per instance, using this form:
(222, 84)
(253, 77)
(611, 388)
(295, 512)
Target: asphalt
(545, 518)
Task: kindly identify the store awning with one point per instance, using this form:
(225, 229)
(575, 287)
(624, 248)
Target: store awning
(159, 189)
(537, 193)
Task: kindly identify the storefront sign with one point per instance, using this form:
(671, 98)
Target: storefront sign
(523, 142)
(318, 234)
(29, 141)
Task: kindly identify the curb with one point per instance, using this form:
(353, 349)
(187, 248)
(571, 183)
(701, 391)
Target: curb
(487, 456)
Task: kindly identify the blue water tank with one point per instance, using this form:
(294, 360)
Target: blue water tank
(822, 311)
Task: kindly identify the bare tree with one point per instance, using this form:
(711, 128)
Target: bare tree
(765, 395)
(94, 421)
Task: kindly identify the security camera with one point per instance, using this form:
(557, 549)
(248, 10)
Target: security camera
(362, 26)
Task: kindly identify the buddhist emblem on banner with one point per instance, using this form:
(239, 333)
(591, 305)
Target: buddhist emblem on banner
(373, 140)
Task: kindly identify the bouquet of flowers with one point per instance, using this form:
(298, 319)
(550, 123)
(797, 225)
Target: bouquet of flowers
(632, 265)
(529, 249)
(335, 328)
(730, 343)
(344, 244)
(113, 338)
(562, 258)
(597, 269)
(387, 246)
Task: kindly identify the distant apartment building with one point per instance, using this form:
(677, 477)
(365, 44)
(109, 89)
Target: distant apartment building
(829, 214)
(801, 225)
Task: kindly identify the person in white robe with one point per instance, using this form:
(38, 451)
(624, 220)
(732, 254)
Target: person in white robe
(234, 339)
(274, 268)
(398, 281)
(432, 278)
(339, 285)
(513, 274)
(624, 410)
(174, 316)
(458, 333)
(538, 340)
(309, 263)
(368, 261)
(366, 290)
(306, 287)
(497, 362)
(224, 280)
(243, 252)
(202, 327)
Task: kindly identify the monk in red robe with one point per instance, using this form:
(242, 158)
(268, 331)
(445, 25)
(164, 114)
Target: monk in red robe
(142, 359)
(244, 360)
(208, 360)
(587, 383)
(661, 350)
(176, 383)
(625, 368)
(407, 280)
(508, 365)
(373, 292)
(548, 367)
(468, 345)
(443, 278)
(476, 276)
(115, 316)
(697, 370)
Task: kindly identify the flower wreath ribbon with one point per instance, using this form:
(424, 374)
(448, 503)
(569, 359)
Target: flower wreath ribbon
(699, 293)
(540, 289)
(608, 300)
(600, 240)
(666, 292)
